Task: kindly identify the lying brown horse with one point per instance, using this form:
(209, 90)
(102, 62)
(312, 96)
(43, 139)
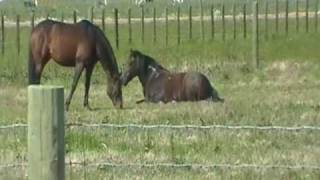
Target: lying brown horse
(78, 45)
(160, 85)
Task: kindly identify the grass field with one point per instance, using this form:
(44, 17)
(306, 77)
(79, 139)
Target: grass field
(284, 92)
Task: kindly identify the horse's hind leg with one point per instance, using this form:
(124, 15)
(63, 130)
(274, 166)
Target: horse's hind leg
(78, 70)
(89, 70)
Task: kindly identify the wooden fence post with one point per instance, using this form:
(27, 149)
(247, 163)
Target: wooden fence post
(286, 16)
(62, 17)
(167, 27)
(212, 22)
(32, 20)
(190, 22)
(2, 34)
(18, 34)
(316, 16)
(307, 16)
(103, 24)
(74, 16)
(297, 15)
(154, 25)
(201, 21)
(277, 16)
(255, 35)
(46, 133)
(234, 21)
(244, 21)
(91, 15)
(129, 25)
(223, 23)
(178, 25)
(266, 28)
(116, 27)
(142, 24)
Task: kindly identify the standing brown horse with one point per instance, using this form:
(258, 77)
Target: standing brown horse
(78, 45)
(161, 85)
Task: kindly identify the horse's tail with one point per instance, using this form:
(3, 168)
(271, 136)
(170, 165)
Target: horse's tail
(31, 68)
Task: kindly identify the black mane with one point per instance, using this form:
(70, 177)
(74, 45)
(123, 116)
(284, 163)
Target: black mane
(148, 61)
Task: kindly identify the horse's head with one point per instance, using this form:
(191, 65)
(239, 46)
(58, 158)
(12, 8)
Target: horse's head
(133, 67)
(114, 91)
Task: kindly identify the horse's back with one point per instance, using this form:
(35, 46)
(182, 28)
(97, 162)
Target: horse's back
(64, 42)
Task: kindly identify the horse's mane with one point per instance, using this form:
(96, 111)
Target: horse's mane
(149, 61)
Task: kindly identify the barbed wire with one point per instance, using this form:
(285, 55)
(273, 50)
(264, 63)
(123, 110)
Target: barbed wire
(162, 126)
(13, 165)
(173, 165)
(12, 126)
(197, 166)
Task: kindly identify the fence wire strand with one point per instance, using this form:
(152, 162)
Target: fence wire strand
(172, 165)
(162, 126)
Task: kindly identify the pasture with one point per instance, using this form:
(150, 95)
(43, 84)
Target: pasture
(283, 92)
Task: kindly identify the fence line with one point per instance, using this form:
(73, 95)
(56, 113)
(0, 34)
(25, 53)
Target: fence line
(173, 165)
(162, 126)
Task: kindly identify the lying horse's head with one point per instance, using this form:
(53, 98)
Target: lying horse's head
(134, 66)
(139, 65)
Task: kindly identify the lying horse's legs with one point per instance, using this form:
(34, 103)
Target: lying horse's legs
(78, 70)
(89, 70)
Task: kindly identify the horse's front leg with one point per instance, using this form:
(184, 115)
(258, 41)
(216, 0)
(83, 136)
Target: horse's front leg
(78, 70)
(89, 71)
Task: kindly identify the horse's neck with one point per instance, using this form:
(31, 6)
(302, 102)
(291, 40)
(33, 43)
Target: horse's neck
(108, 61)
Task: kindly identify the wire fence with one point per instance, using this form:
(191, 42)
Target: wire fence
(175, 127)
(171, 165)
(85, 163)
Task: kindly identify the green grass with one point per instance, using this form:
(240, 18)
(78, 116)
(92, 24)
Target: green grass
(284, 92)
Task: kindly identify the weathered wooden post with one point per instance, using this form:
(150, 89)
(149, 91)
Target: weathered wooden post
(142, 24)
(277, 16)
(178, 26)
(32, 20)
(116, 24)
(103, 24)
(266, 28)
(129, 26)
(286, 16)
(297, 15)
(46, 133)
(154, 25)
(167, 31)
(201, 21)
(223, 22)
(190, 22)
(244, 8)
(316, 16)
(2, 34)
(255, 35)
(91, 15)
(212, 22)
(307, 16)
(74, 16)
(18, 34)
(62, 17)
(234, 21)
